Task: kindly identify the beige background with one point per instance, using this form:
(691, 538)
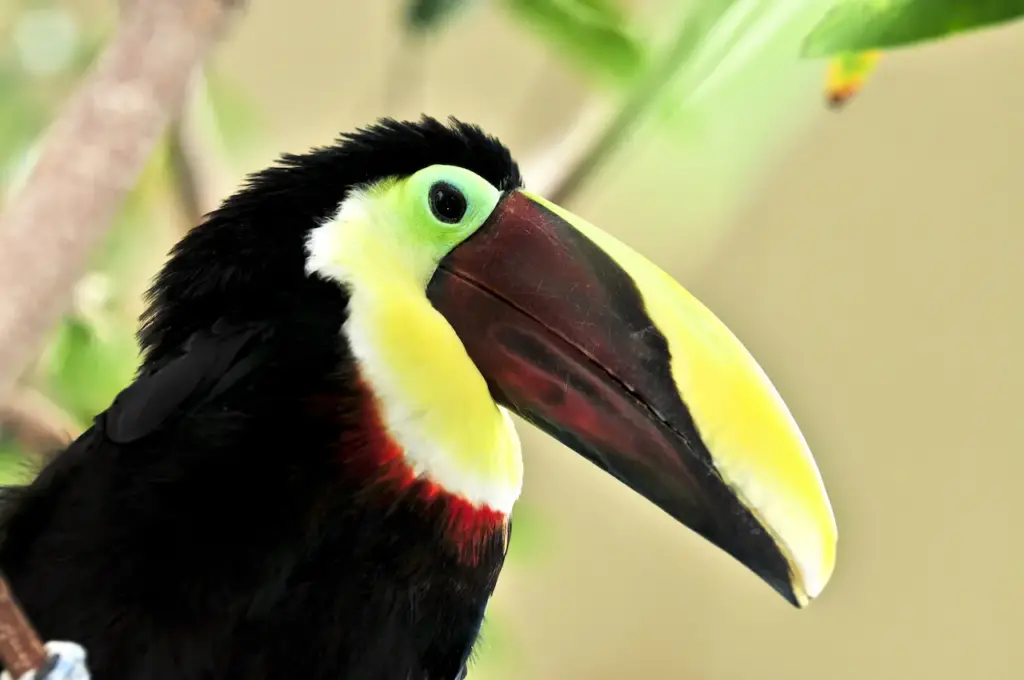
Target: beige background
(873, 265)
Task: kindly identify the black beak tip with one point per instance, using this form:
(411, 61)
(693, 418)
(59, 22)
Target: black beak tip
(784, 587)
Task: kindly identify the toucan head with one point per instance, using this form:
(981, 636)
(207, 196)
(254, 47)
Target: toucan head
(469, 297)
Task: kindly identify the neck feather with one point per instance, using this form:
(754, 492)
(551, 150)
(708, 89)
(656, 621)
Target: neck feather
(431, 399)
(377, 463)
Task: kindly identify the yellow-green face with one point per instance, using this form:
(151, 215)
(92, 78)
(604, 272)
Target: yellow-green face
(384, 245)
(407, 225)
(465, 300)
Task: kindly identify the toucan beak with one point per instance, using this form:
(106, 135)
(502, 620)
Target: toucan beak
(592, 343)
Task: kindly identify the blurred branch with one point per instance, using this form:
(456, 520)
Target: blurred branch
(559, 170)
(36, 423)
(21, 649)
(89, 159)
(597, 135)
(185, 171)
(190, 163)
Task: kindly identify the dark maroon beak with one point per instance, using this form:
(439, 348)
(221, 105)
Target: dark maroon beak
(562, 331)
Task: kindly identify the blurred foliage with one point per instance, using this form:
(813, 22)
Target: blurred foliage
(88, 363)
(853, 33)
(229, 115)
(45, 49)
(862, 25)
(428, 15)
(595, 35)
(847, 74)
(15, 467)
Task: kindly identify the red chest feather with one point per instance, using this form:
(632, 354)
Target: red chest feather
(376, 460)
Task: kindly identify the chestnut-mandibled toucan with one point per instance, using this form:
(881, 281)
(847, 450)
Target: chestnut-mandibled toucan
(313, 474)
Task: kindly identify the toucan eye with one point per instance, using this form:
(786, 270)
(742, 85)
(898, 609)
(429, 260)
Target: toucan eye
(447, 203)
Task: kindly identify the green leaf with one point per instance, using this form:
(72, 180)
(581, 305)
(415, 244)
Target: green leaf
(713, 34)
(429, 15)
(15, 465)
(594, 34)
(864, 25)
(847, 74)
(88, 366)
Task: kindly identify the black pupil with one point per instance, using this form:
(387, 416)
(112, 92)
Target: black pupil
(447, 203)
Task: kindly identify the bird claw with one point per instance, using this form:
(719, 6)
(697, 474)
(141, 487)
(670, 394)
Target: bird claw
(66, 662)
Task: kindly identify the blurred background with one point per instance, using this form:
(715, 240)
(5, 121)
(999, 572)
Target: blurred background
(868, 256)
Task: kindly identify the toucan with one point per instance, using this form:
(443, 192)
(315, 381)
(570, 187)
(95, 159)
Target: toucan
(313, 473)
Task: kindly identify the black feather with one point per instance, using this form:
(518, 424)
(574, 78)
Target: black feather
(209, 525)
(210, 363)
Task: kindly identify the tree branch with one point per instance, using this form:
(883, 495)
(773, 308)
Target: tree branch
(186, 170)
(38, 425)
(599, 133)
(89, 159)
(21, 650)
(194, 159)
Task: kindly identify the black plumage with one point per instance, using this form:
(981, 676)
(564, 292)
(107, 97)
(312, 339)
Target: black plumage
(221, 519)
